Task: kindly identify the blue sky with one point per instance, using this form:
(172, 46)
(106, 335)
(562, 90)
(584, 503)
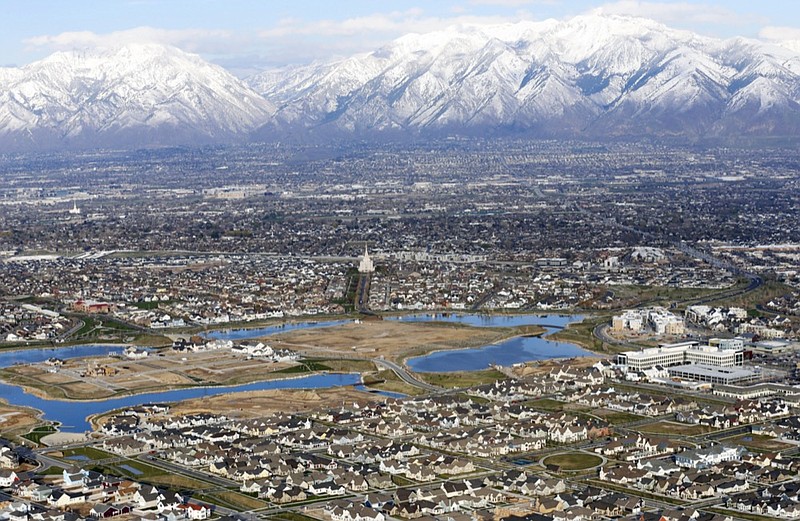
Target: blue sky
(247, 35)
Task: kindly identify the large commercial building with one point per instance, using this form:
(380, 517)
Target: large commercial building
(668, 355)
(713, 374)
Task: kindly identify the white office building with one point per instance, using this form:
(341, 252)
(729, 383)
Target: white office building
(668, 355)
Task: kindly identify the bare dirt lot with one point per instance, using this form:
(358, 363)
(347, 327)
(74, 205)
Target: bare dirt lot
(392, 339)
(103, 377)
(15, 421)
(254, 404)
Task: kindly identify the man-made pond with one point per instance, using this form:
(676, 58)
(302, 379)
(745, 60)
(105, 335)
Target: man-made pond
(513, 351)
(72, 415)
(35, 356)
(482, 320)
(509, 352)
(245, 334)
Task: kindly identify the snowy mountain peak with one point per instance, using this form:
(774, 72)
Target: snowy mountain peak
(593, 75)
(135, 94)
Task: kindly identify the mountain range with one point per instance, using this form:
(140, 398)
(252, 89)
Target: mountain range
(593, 77)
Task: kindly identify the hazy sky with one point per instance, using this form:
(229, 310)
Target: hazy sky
(245, 35)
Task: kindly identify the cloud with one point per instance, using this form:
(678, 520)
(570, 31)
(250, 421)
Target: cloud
(210, 41)
(392, 24)
(288, 41)
(294, 40)
(778, 33)
(683, 13)
(514, 3)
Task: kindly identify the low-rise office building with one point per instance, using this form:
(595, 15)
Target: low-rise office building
(668, 355)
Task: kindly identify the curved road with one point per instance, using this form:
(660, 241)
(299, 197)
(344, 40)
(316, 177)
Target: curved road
(406, 376)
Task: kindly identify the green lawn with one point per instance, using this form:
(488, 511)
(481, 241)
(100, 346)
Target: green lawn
(38, 433)
(617, 417)
(667, 427)
(574, 461)
(759, 443)
(581, 333)
(89, 452)
(462, 379)
(305, 366)
(547, 404)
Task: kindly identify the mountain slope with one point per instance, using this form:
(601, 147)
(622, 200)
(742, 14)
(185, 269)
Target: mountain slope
(130, 95)
(591, 76)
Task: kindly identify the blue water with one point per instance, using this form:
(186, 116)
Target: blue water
(35, 356)
(512, 351)
(478, 320)
(130, 469)
(78, 457)
(388, 394)
(72, 415)
(246, 334)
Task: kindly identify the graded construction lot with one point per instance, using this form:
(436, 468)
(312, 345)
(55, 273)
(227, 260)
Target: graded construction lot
(255, 404)
(759, 443)
(393, 339)
(103, 377)
(16, 421)
(675, 428)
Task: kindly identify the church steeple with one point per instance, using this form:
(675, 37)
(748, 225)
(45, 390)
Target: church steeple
(366, 266)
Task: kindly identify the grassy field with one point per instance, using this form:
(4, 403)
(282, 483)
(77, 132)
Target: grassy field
(617, 417)
(765, 293)
(683, 429)
(759, 443)
(547, 404)
(633, 296)
(152, 474)
(232, 499)
(462, 379)
(89, 452)
(580, 333)
(38, 433)
(574, 461)
(388, 381)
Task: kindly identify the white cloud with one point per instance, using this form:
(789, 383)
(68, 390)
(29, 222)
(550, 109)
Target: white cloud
(684, 13)
(778, 33)
(193, 40)
(514, 3)
(392, 24)
(296, 41)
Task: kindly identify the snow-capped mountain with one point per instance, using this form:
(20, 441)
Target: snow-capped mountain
(127, 96)
(591, 76)
(594, 76)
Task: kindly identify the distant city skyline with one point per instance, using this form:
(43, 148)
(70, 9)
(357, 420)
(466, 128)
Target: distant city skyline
(249, 36)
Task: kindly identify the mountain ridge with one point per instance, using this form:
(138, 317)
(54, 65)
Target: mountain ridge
(590, 77)
(137, 94)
